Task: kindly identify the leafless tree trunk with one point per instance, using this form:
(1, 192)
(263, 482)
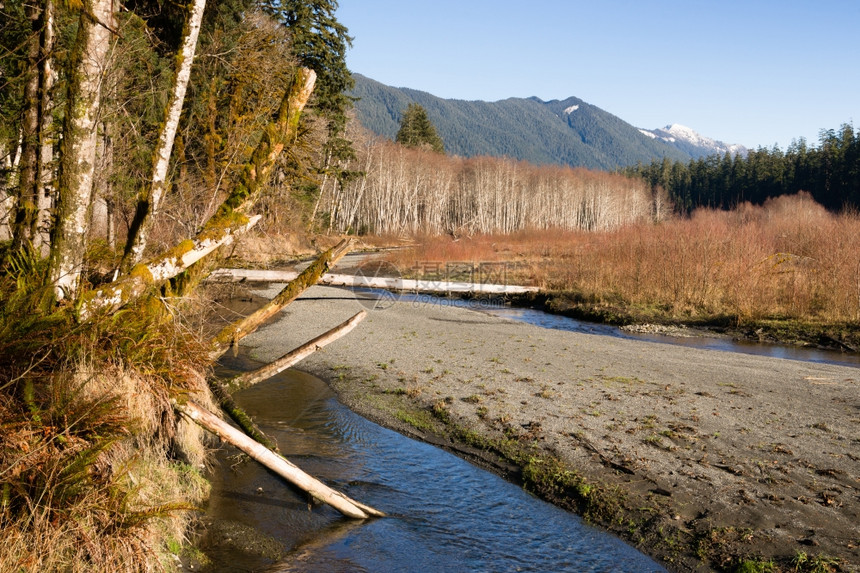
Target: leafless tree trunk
(409, 191)
(77, 160)
(150, 200)
(46, 172)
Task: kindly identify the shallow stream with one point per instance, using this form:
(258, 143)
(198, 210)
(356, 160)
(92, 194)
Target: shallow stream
(693, 340)
(446, 514)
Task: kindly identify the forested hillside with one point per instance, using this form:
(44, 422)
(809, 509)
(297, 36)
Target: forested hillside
(830, 173)
(568, 132)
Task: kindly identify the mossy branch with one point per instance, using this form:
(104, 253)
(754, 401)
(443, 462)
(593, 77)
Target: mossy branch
(225, 400)
(112, 297)
(232, 333)
(228, 220)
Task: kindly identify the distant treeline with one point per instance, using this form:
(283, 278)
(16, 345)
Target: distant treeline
(829, 172)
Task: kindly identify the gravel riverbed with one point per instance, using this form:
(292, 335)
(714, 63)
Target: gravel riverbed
(713, 455)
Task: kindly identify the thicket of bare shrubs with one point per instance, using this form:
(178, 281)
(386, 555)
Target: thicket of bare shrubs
(789, 258)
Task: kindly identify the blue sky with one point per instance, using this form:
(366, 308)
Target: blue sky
(755, 72)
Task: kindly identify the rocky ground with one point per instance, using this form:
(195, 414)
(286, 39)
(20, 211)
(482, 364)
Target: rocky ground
(700, 458)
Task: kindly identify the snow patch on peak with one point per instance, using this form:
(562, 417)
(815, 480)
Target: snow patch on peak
(647, 133)
(689, 135)
(688, 139)
(571, 109)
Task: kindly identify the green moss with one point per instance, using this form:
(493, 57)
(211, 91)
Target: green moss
(142, 273)
(417, 419)
(755, 566)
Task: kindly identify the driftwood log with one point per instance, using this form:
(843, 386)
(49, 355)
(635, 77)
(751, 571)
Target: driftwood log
(276, 463)
(298, 284)
(294, 356)
(390, 283)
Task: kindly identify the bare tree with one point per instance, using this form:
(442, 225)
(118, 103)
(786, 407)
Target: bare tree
(149, 202)
(78, 157)
(412, 191)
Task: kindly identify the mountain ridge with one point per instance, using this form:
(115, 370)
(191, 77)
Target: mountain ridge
(569, 132)
(686, 138)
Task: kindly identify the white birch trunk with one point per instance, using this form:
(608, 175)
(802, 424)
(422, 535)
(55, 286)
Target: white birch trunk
(152, 200)
(78, 156)
(46, 172)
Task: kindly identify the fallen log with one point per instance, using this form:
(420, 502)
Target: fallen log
(235, 331)
(359, 281)
(276, 463)
(243, 420)
(294, 356)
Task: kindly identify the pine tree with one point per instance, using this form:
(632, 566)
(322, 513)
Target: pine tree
(416, 130)
(320, 43)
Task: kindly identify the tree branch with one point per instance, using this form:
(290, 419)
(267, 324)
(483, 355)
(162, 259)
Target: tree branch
(296, 355)
(236, 331)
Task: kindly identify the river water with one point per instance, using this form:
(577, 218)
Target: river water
(558, 322)
(446, 514)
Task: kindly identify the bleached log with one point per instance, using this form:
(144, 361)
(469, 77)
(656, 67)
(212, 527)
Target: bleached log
(276, 463)
(295, 356)
(241, 328)
(390, 283)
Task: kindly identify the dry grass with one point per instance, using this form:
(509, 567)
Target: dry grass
(788, 259)
(88, 482)
(96, 471)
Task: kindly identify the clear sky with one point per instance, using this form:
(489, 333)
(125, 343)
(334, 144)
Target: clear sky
(754, 72)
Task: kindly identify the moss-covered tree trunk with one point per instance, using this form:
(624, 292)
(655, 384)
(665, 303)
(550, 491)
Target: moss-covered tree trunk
(147, 206)
(78, 152)
(228, 220)
(24, 225)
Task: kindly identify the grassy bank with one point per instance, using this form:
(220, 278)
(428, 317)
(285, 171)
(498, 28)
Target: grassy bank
(96, 471)
(786, 271)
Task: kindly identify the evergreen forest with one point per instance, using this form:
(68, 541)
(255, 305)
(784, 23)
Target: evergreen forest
(830, 173)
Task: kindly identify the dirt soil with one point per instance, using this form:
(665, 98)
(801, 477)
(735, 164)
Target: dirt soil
(711, 457)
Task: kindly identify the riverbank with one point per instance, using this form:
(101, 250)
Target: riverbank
(785, 271)
(701, 459)
(838, 335)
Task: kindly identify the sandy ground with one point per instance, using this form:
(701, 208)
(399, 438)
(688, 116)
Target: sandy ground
(729, 454)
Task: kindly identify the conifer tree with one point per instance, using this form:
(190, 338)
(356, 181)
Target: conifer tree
(320, 43)
(416, 130)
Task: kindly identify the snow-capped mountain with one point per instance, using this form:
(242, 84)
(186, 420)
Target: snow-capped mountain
(558, 132)
(691, 142)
